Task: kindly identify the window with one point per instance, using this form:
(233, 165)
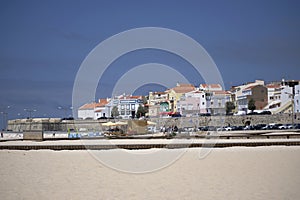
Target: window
(127, 112)
(203, 103)
(127, 107)
(132, 107)
(122, 112)
(122, 107)
(202, 95)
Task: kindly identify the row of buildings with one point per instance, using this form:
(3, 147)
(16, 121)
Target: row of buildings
(187, 99)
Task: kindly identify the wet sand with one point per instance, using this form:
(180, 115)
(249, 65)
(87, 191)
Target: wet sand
(227, 173)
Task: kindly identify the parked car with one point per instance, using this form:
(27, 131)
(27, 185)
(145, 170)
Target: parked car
(228, 128)
(265, 112)
(283, 126)
(249, 127)
(259, 126)
(237, 128)
(297, 126)
(240, 113)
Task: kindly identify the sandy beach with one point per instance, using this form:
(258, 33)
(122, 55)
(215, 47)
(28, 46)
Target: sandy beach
(229, 173)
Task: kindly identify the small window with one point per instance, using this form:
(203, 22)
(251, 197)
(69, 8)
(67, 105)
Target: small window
(202, 103)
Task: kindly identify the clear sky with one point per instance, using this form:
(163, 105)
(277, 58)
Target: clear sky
(43, 43)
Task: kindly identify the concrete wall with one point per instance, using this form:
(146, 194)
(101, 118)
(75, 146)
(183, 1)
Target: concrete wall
(95, 125)
(33, 135)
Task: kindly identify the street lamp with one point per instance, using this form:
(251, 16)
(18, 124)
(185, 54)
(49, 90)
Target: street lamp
(4, 116)
(30, 111)
(65, 109)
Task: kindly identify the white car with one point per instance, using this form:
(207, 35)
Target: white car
(228, 128)
(241, 112)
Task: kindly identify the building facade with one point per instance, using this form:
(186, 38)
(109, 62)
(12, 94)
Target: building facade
(297, 99)
(258, 93)
(193, 102)
(94, 110)
(128, 106)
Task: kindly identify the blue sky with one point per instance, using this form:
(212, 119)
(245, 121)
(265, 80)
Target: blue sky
(43, 43)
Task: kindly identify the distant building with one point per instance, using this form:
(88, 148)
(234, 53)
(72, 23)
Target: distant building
(174, 94)
(210, 87)
(274, 96)
(237, 93)
(280, 99)
(258, 93)
(297, 98)
(158, 102)
(93, 110)
(216, 101)
(193, 102)
(128, 105)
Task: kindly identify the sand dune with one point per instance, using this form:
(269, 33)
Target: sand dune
(229, 173)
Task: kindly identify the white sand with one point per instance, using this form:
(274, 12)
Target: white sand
(228, 173)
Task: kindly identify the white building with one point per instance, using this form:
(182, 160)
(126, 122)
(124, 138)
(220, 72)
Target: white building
(94, 110)
(210, 87)
(128, 106)
(297, 98)
(193, 102)
(216, 101)
(274, 96)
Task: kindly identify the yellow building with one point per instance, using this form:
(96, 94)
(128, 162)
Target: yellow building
(174, 94)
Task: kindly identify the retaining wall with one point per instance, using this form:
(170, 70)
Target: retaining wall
(95, 125)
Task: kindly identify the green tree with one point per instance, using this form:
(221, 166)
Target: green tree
(114, 112)
(251, 105)
(141, 111)
(229, 106)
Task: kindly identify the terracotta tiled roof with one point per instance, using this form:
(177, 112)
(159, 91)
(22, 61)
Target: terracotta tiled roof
(210, 85)
(273, 86)
(184, 89)
(222, 92)
(90, 106)
(132, 97)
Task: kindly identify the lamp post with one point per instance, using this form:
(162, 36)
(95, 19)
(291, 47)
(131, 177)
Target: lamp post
(30, 111)
(4, 116)
(65, 109)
